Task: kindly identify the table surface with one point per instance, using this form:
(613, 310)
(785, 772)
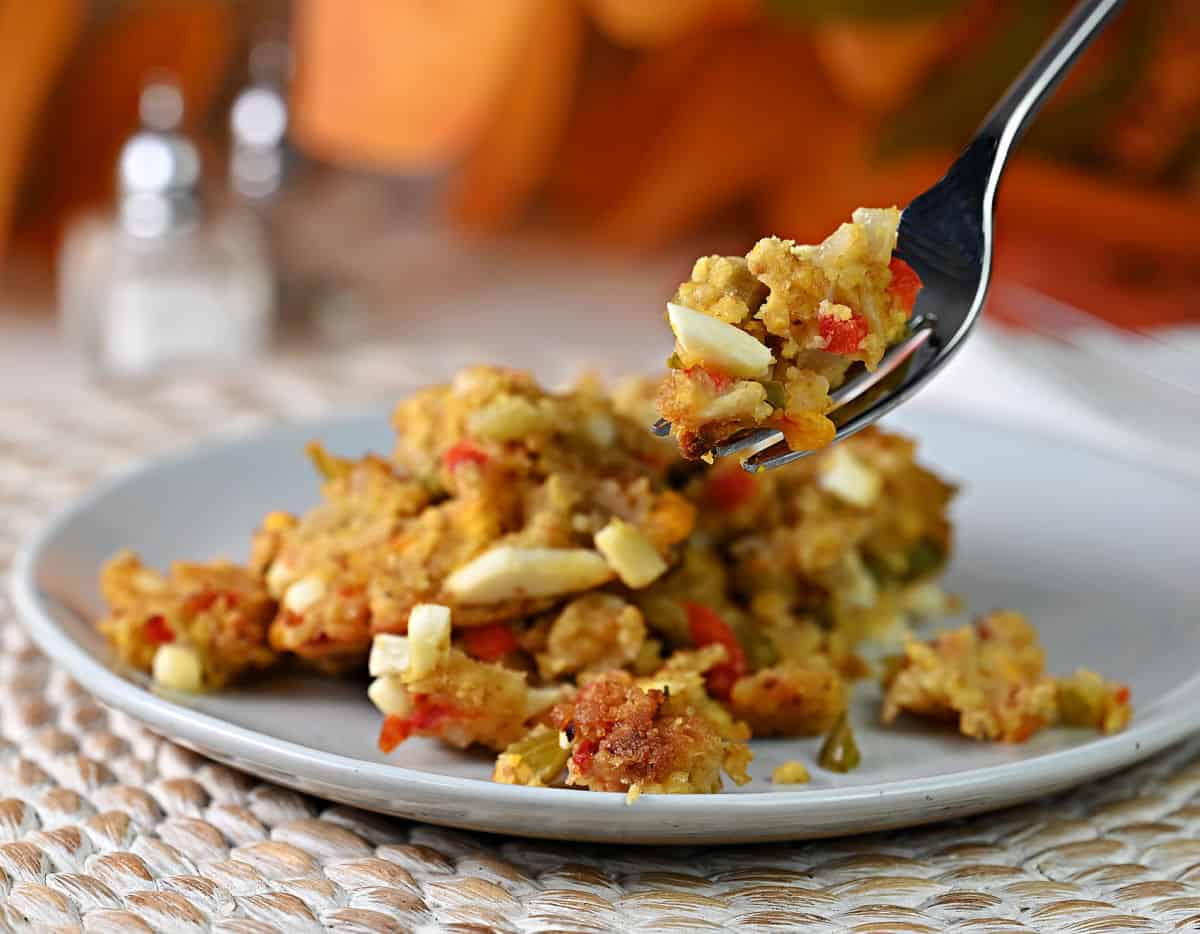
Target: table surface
(104, 826)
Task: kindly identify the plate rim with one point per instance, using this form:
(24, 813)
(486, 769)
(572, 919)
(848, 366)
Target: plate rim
(1002, 784)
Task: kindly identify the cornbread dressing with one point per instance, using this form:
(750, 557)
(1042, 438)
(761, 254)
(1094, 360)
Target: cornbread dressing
(535, 573)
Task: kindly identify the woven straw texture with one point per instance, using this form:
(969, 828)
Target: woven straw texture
(105, 827)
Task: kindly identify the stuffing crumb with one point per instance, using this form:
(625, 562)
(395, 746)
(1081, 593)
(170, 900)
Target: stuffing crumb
(990, 680)
(790, 773)
(763, 340)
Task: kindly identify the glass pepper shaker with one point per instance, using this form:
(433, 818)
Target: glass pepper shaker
(258, 122)
(166, 279)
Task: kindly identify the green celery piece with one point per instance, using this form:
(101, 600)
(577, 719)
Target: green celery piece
(541, 753)
(776, 394)
(665, 616)
(879, 11)
(1073, 705)
(925, 556)
(1068, 129)
(760, 650)
(839, 752)
(955, 103)
(879, 569)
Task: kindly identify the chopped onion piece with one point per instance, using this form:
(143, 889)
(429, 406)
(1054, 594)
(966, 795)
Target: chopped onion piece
(510, 573)
(708, 341)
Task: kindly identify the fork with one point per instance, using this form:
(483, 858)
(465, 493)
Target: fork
(946, 236)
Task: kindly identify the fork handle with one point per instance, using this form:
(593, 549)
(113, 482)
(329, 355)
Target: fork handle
(940, 215)
(1011, 116)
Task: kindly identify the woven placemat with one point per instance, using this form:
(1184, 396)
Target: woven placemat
(106, 827)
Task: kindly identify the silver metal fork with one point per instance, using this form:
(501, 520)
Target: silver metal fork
(946, 236)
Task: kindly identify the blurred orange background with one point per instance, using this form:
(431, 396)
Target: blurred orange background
(629, 124)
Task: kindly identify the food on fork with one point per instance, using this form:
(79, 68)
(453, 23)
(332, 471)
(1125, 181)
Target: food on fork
(536, 574)
(762, 340)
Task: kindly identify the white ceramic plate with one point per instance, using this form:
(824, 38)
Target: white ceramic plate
(1101, 554)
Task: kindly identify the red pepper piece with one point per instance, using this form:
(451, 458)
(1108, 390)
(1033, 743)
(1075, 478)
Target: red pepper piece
(426, 717)
(206, 599)
(1026, 727)
(394, 731)
(843, 336)
(905, 284)
(156, 631)
(490, 643)
(583, 755)
(707, 628)
(428, 714)
(720, 381)
(729, 488)
(199, 602)
(464, 452)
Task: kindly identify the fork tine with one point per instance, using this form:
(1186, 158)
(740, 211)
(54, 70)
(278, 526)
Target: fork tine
(777, 455)
(661, 428)
(892, 360)
(780, 455)
(750, 438)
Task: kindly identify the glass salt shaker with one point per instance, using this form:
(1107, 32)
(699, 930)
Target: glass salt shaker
(166, 280)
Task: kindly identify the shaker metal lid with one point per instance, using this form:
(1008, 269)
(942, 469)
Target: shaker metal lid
(159, 159)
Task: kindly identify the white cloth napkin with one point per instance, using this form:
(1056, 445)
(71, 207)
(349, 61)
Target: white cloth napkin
(1056, 389)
